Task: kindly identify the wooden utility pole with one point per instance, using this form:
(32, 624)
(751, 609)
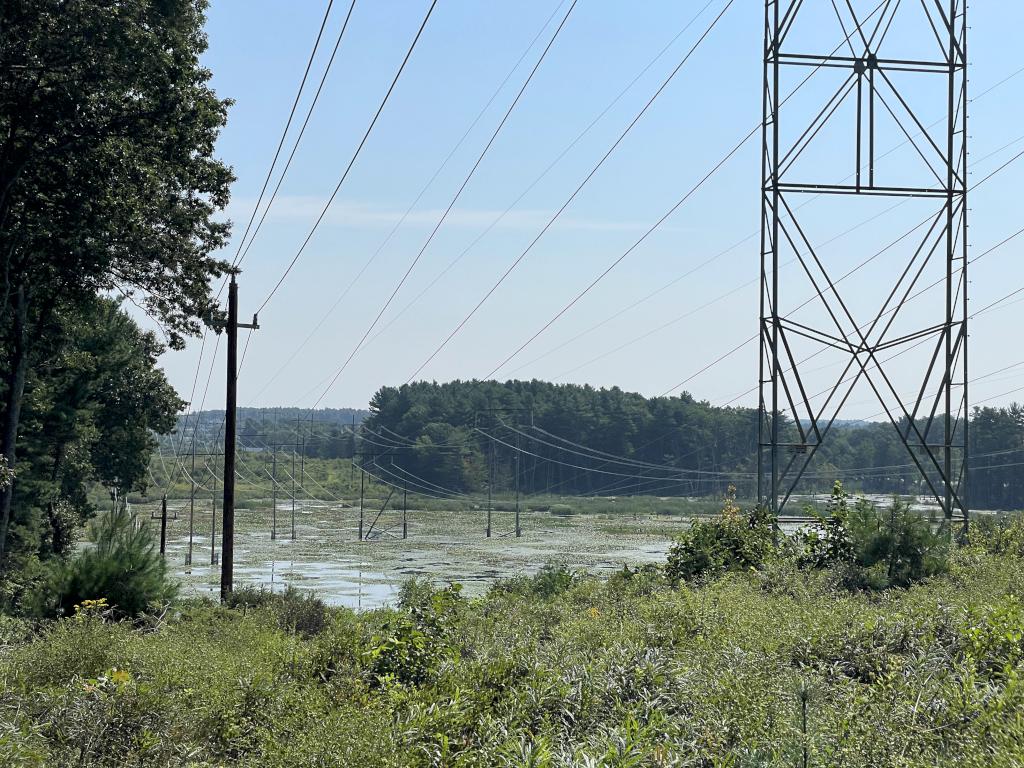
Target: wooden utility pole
(227, 561)
(163, 526)
(490, 486)
(293, 493)
(362, 487)
(519, 530)
(273, 484)
(213, 520)
(191, 503)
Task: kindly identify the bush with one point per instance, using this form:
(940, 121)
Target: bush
(549, 582)
(827, 542)
(6, 473)
(295, 610)
(120, 564)
(410, 647)
(735, 541)
(871, 548)
(897, 546)
(998, 534)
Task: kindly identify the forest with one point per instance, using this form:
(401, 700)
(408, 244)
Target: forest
(577, 439)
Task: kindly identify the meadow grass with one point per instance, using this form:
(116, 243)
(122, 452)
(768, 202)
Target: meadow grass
(777, 667)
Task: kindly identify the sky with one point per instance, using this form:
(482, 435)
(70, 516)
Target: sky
(258, 50)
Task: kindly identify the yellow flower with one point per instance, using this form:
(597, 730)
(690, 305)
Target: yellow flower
(120, 677)
(593, 612)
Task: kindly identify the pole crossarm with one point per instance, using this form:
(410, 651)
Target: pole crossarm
(873, 86)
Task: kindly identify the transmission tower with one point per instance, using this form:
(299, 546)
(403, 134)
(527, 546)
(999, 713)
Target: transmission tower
(847, 129)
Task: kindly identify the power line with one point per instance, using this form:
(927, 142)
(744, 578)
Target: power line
(843, 277)
(298, 140)
(398, 224)
(571, 197)
(239, 255)
(543, 174)
(352, 161)
(719, 255)
(284, 133)
(451, 204)
(629, 250)
(890, 311)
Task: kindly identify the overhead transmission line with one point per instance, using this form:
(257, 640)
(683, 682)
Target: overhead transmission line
(497, 219)
(543, 174)
(408, 211)
(680, 471)
(730, 249)
(864, 263)
(239, 253)
(451, 204)
(284, 133)
(890, 311)
(298, 140)
(975, 380)
(720, 297)
(896, 308)
(352, 161)
(355, 155)
(653, 227)
(987, 308)
(518, 260)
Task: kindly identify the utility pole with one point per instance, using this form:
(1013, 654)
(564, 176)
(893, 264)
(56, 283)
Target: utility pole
(227, 566)
(273, 485)
(191, 504)
(163, 526)
(519, 531)
(352, 464)
(490, 486)
(213, 520)
(293, 493)
(362, 479)
(405, 511)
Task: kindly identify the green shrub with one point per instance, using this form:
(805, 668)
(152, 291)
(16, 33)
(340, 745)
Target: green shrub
(734, 541)
(998, 534)
(415, 592)
(6, 473)
(995, 639)
(410, 647)
(549, 582)
(897, 545)
(871, 548)
(120, 564)
(294, 610)
(827, 542)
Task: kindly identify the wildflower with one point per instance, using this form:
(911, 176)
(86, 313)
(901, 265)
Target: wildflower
(593, 612)
(91, 609)
(120, 677)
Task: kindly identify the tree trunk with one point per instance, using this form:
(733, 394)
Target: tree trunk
(12, 406)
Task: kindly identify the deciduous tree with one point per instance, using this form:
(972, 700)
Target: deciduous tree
(108, 181)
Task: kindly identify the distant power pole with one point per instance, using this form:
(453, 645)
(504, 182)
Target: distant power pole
(227, 565)
(273, 492)
(191, 504)
(519, 530)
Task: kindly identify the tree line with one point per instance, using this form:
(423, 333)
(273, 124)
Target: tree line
(577, 439)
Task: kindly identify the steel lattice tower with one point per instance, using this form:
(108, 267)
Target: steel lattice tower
(827, 113)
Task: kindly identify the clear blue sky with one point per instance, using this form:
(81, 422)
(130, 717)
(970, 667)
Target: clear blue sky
(258, 50)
